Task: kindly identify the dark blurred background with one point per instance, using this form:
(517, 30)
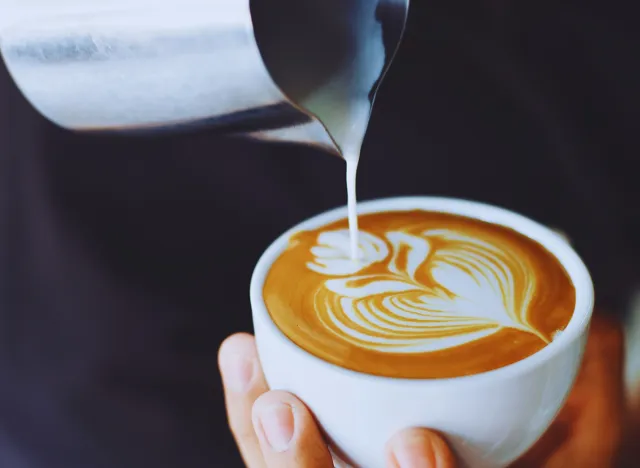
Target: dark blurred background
(125, 261)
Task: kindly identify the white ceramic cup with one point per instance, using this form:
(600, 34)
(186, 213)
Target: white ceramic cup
(489, 419)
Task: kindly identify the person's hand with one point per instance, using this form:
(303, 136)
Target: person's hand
(276, 430)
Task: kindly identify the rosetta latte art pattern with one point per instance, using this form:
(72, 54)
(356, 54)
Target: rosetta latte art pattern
(438, 290)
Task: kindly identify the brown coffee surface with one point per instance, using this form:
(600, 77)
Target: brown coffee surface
(432, 295)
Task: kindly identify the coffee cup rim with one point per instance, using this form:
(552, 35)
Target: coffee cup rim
(553, 242)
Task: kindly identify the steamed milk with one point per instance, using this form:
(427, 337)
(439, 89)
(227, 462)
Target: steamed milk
(352, 169)
(432, 295)
(346, 117)
(343, 103)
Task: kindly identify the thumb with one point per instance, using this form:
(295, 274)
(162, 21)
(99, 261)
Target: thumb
(288, 434)
(419, 448)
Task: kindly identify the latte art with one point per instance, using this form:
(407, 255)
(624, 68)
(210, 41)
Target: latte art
(425, 286)
(440, 289)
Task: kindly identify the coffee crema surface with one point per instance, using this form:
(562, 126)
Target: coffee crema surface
(432, 295)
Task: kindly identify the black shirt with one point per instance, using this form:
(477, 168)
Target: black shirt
(125, 261)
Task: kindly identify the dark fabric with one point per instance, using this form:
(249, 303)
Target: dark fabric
(124, 261)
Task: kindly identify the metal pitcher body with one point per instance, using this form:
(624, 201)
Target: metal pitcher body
(134, 65)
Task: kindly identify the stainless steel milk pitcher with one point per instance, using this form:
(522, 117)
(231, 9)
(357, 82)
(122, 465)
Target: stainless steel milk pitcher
(274, 69)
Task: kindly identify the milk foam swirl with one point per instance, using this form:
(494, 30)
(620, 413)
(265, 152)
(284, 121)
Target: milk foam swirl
(439, 289)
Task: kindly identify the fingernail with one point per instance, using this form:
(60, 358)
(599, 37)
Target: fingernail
(237, 372)
(414, 451)
(277, 423)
